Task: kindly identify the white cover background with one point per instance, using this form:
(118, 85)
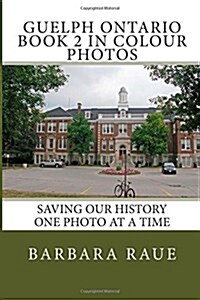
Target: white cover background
(16, 13)
(21, 214)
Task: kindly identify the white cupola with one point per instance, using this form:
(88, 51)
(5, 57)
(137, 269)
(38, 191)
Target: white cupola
(123, 101)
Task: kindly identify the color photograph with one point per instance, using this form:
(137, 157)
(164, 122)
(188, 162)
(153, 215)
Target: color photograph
(101, 131)
(100, 150)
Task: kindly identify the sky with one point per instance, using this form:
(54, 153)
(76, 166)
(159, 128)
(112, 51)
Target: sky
(96, 86)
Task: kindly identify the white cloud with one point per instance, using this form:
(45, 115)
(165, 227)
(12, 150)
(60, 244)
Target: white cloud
(99, 86)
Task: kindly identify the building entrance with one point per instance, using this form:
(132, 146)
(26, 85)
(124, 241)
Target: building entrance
(122, 151)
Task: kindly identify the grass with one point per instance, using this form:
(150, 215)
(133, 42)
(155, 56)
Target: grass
(26, 194)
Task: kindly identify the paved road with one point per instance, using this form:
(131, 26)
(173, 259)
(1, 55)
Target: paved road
(87, 181)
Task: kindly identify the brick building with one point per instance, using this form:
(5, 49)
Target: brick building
(112, 129)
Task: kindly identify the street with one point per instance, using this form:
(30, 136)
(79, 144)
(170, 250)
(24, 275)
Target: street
(86, 181)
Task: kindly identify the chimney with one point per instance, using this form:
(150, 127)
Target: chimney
(79, 104)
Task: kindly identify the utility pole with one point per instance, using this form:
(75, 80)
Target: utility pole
(125, 175)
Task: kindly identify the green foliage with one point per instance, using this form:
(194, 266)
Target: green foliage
(151, 138)
(118, 168)
(186, 102)
(23, 97)
(80, 135)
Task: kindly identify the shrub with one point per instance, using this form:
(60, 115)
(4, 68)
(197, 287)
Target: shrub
(120, 172)
(74, 163)
(118, 168)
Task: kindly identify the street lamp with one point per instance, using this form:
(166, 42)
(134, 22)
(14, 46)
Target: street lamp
(125, 174)
(7, 160)
(177, 161)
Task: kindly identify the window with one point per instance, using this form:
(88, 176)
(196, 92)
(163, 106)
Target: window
(134, 126)
(50, 143)
(185, 144)
(122, 114)
(111, 145)
(111, 159)
(198, 144)
(40, 143)
(198, 129)
(62, 143)
(91, 159)
(122, 128)
(40, 127)
(104, 145)
(134, 148)
(91, 146)
(62, 157)
(63, 126)
(174, 128)
(186, 161)
(107, 128)
(39, 158)
(104, 160)
(92, 127)
(51, 127)
(87, 114)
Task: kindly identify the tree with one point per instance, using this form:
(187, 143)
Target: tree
(186, 102)
(80, 135)
(151, 138)
(23, 97)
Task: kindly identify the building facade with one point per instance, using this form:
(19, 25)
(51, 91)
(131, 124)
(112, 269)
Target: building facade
(112, 128)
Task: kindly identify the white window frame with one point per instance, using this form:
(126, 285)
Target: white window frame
(123, 114)
(63, 126)
(111, 158)
(108, 128)
(39, 158)
(185, 144)
(133, 147)
(104, 145)
(135, 125)
(91, 159)
(198, 129)
(91, 146)
(87, 114)
(186, 161)
(111, 145)
(62, 157)
(40, 143)
(104, 159)
(174, 128)
(40, 127)
(123, 128)
(92, 127)
(62, 143)
(48, 143)
(198, 144)
(51, 126)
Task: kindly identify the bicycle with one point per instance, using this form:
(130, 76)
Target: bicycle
(124, 189)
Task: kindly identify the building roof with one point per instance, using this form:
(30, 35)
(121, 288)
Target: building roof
(96, 111)
(58, 112)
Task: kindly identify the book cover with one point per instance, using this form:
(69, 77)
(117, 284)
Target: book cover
(100, 150)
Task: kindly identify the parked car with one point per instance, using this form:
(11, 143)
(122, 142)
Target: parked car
(51, 163)
(168, 168)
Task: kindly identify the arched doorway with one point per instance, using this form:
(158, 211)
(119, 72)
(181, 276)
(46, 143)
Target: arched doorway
(122, 151)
